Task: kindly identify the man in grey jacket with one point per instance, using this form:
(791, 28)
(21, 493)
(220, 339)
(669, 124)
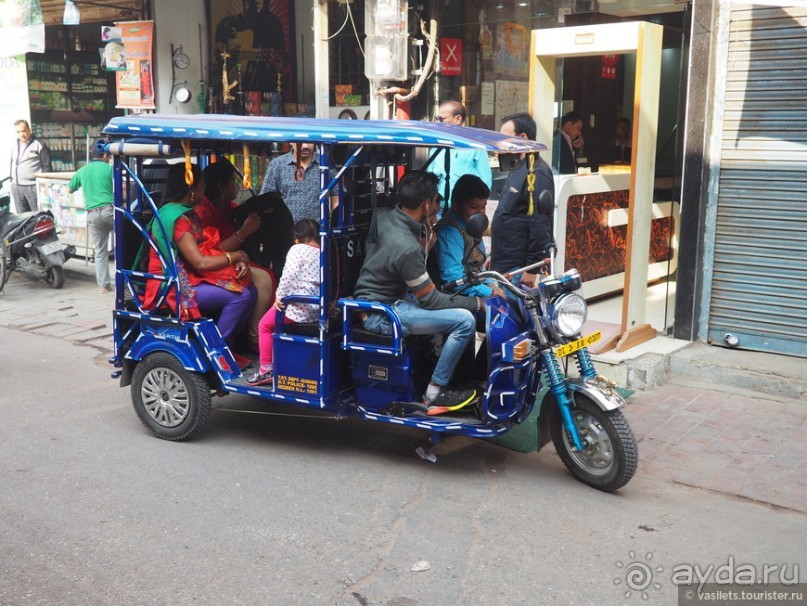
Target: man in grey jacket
(394, 272)
(29, 156)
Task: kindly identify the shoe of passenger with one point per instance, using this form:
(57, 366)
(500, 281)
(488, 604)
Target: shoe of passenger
(260, 378)
(449, 400)
(242, 361)
(105, 290)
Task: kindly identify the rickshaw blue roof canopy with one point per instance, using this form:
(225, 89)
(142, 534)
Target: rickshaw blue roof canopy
(314, 130)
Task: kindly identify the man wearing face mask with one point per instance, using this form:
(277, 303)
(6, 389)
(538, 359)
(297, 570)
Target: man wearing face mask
(519, 234)
(394, 272)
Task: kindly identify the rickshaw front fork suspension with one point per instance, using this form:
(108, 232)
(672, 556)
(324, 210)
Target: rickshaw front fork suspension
(557, 386)
(585, 366)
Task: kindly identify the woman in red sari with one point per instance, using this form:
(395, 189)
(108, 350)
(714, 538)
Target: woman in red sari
(223, 184)
(210, 279)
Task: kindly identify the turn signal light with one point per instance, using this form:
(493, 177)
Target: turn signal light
(522, 350)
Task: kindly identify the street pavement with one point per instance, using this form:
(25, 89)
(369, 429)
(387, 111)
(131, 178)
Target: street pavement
(707, 435)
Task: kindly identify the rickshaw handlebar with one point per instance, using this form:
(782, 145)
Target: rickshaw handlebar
(502, 279)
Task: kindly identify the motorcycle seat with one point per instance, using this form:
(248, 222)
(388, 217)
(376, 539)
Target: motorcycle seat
(13, 221)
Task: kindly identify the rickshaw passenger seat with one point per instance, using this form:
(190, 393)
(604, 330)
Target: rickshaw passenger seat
(311, 329)
(362, 335)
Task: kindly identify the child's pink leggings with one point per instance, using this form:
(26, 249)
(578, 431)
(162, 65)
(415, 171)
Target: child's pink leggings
(266, 335)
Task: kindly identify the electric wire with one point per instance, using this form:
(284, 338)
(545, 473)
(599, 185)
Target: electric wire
(353, 23)
(341, 27)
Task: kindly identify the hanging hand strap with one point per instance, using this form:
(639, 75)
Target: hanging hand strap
(247, 180)
(531, 184)
(299, 172)
(186, 147)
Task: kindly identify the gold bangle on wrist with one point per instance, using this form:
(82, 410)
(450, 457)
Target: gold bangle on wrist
(229, 258)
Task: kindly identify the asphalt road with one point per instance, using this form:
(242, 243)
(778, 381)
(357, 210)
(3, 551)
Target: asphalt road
(281, 510)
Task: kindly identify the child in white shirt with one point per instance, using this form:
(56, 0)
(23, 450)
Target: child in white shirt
(300, 277)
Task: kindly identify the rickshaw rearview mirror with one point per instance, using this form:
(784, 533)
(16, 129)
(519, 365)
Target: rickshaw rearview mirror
(546, 203)
(477, 225)
(508, 161)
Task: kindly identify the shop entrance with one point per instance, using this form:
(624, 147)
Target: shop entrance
(614, 207)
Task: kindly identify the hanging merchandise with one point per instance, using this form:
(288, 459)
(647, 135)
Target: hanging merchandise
(22, 28)
(71, 14)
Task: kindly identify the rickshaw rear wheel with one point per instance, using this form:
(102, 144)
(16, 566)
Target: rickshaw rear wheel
(171, 401)
(611, 454)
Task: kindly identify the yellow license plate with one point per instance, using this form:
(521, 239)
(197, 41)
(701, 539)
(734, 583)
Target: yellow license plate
(565, 350)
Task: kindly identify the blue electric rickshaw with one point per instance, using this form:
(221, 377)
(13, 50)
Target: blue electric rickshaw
(178, 369)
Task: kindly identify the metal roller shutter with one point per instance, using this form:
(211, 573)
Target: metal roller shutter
(759, 282)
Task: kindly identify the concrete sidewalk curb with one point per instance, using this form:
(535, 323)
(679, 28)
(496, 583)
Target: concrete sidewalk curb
(766, 373)
(72, 273)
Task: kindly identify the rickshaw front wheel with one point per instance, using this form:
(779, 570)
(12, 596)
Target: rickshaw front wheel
(611, 455)
(172, 402)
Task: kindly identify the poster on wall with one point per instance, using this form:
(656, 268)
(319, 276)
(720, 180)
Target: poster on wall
(509, 95)
(113, 55)
(135, 85)
(512, 44)
(253, 52)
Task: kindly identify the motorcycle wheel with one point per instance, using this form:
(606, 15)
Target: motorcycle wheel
(172, 402)
(54, 277)
(610, 460)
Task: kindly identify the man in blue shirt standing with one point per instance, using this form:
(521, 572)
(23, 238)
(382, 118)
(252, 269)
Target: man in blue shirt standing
(461, 161)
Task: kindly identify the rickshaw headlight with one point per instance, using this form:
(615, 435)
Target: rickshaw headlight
(569, 312)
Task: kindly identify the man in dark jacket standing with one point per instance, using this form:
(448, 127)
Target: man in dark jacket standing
(394, 272)
(567, 141)
(519, 237)
(29, 156)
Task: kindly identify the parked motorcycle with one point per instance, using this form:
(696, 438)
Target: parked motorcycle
(30, 244)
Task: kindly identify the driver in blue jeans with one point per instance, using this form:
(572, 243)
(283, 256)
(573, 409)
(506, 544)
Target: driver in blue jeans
(394, 273)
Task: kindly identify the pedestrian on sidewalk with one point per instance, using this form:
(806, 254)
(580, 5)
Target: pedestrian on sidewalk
(29, 156)
(96, 179)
